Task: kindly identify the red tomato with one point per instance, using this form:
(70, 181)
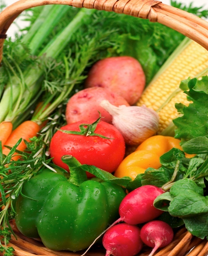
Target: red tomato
(103, 153)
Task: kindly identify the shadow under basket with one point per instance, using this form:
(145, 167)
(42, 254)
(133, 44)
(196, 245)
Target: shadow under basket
(184, 243)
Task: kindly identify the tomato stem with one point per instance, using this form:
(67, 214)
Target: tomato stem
(87, 130)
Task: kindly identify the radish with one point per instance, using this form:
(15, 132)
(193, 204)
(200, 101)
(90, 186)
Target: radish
(137, 206)
(122, 240)
(156, 234)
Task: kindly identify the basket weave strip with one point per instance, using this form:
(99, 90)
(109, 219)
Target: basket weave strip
(183, 244)
(181, 21)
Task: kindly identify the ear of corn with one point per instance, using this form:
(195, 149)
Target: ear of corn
(188, 60)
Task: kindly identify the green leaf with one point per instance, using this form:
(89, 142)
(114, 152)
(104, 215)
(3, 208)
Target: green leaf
(184, 84)
(201, 85)
(138, 47)
(170, 158)
(136, 183)
(181, 186)
(197, 226)
(187, 204)
(162, 201)
(201, 182)
(3, 195)
(106, 176)
(156, 177)
(193, 122)
(202, 171)
(86, 130)
(194, 164)
(174, 222)
(198, 145)
(12, 152)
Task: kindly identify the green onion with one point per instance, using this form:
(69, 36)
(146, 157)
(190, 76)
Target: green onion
(19, 92)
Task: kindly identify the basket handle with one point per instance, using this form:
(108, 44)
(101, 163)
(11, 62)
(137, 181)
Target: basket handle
(181, 21)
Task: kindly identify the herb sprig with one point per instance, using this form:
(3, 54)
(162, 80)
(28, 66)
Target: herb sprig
(15, 173)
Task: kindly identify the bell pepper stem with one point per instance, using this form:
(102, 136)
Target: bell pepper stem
(77, 176)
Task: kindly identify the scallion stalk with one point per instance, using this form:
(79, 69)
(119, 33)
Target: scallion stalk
(37, 24)
(34, 73)
(51, 20)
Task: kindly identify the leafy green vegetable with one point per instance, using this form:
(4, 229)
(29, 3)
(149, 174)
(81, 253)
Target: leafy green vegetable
(174, 222)
(188, 204)
(162, 202)
(186, 201)
(157, 177)
(64, 53)
(193, 122)
(197, 145)
(197, 225)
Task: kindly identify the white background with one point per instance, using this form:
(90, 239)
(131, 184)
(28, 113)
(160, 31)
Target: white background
(14, 28)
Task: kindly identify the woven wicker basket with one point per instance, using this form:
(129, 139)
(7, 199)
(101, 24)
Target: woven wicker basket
(187, 24)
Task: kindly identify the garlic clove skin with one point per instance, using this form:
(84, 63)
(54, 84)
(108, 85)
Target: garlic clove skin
(135, 123)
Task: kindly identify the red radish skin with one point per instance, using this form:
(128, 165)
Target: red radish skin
(122, 75)
(137, 206)
(122, 240)
(156, 234)
(85, 105)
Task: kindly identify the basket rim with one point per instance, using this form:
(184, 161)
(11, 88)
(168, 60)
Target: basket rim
(187, 24)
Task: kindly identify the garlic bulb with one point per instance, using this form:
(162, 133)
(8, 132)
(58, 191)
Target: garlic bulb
(135, 123)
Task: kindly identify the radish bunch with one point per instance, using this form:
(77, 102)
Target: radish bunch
(126, 239)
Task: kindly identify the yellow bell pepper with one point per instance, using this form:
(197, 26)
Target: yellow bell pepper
(147, 155)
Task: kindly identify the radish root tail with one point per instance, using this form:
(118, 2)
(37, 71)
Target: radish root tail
(114, 223)
(154, 249)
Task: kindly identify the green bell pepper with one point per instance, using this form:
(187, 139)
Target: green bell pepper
(67, 214)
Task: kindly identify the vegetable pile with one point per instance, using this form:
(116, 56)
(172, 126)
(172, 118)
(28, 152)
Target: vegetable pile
(78, 159)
